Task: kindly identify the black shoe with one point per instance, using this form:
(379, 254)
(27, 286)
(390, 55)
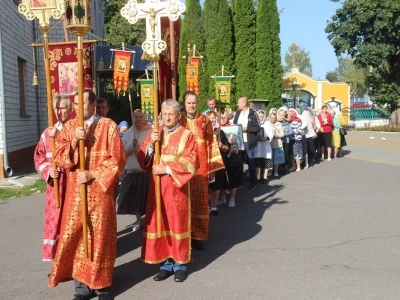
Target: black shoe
(105, 296)
(263, 181)
(214, 213)
(82, 297)
(180, 276)
(162, 275)
(197, 245)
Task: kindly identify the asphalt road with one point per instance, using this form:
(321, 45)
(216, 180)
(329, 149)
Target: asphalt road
(329, 232)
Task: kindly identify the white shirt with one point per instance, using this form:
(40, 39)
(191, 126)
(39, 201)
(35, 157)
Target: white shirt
(263, 149)
(244, 120)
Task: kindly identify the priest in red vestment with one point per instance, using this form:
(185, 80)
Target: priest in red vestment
(104, 162)
(178, 164)
(201, 128)
(62, 106)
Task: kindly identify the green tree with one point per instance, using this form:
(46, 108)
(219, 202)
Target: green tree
(217, 22)
(268, 58)
(298, 57)
(117, 28)
(192, 32)
(332, 76)
(244, 47)
(368, 31)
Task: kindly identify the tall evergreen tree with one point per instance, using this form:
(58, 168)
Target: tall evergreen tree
(244, 47)
(118, 29)
(268, 47)
(211, 34)
(192, 32)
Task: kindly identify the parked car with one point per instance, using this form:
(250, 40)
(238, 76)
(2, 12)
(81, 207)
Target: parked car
(360, 105)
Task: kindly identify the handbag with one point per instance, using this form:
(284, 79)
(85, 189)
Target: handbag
(260, 133)
(342, 131)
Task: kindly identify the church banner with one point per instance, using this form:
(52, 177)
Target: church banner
(64, 68)
(167, 70)
(122, 64)
(146, 96)
(223, 89)
(192, 75)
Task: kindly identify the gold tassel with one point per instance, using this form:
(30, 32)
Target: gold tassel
(35, 81)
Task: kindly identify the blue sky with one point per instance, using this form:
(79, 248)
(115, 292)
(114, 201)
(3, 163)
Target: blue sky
(303, 22)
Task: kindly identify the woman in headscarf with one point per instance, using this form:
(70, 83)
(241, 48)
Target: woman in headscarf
(325, 138)
(335, 134)
(276, 144)
(263, 151)
(298, 146)
(307, 118)
(135, 184)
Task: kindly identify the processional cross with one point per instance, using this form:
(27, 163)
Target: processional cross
(152, 11)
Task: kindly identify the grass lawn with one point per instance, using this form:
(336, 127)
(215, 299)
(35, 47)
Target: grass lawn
(38, 187)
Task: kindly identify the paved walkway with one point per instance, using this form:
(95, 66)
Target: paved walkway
(330, 232)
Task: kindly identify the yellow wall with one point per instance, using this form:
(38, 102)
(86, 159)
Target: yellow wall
(322, 90)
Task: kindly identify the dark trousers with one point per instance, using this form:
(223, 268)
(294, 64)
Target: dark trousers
(310, 150)
(83, 289)
(288, 156)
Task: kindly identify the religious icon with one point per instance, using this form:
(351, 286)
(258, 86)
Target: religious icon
(40, 4)
(68, 78)
(146, 92)
(235, 136)
(121, 65)
(223, 90)
(192, 72)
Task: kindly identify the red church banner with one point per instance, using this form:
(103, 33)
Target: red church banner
(192, 75)
(64, 68)
(167, 71)
(122, 64)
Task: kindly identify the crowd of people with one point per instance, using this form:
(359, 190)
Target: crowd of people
(171, 178)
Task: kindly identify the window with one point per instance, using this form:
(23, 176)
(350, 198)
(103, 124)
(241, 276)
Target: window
(21, 83)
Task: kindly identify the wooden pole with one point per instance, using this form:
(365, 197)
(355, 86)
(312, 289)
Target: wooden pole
(172, 54)
(156, 144)
(82, 143)
(45, 28)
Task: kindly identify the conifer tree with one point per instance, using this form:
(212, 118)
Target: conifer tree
(244, 47)
(268, 47)
(218, 27)
(192, 32)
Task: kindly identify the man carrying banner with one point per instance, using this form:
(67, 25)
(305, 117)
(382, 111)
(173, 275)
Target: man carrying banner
(62, 106)
(202, 129)
(105, 159)
(178, 164)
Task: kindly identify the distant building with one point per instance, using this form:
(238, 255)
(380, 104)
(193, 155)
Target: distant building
(23, 107)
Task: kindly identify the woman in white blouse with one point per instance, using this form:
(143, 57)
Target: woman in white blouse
(263, 151)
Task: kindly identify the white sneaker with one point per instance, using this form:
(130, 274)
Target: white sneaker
(329, 159)
(231, 202)
(221, 201)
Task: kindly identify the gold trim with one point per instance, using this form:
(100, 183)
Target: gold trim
(171, 158)
(183, 262)
(182, 142)
(177, 236)
(201, 217)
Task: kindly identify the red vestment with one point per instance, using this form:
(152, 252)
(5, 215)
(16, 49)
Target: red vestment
(105, 158)
(201, 128)
(179, 155)
(52, 214)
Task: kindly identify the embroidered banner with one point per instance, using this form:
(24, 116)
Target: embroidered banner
(146, 96)
(64, 68)
(192, 75)
(223, 90)
(122, 64)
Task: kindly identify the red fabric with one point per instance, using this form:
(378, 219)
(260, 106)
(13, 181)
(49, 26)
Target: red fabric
(328, 126)
(122, 64)
(166, 69)
(52, 215)
(178, 152)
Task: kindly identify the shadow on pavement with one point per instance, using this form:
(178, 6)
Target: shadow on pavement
(233, 226)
